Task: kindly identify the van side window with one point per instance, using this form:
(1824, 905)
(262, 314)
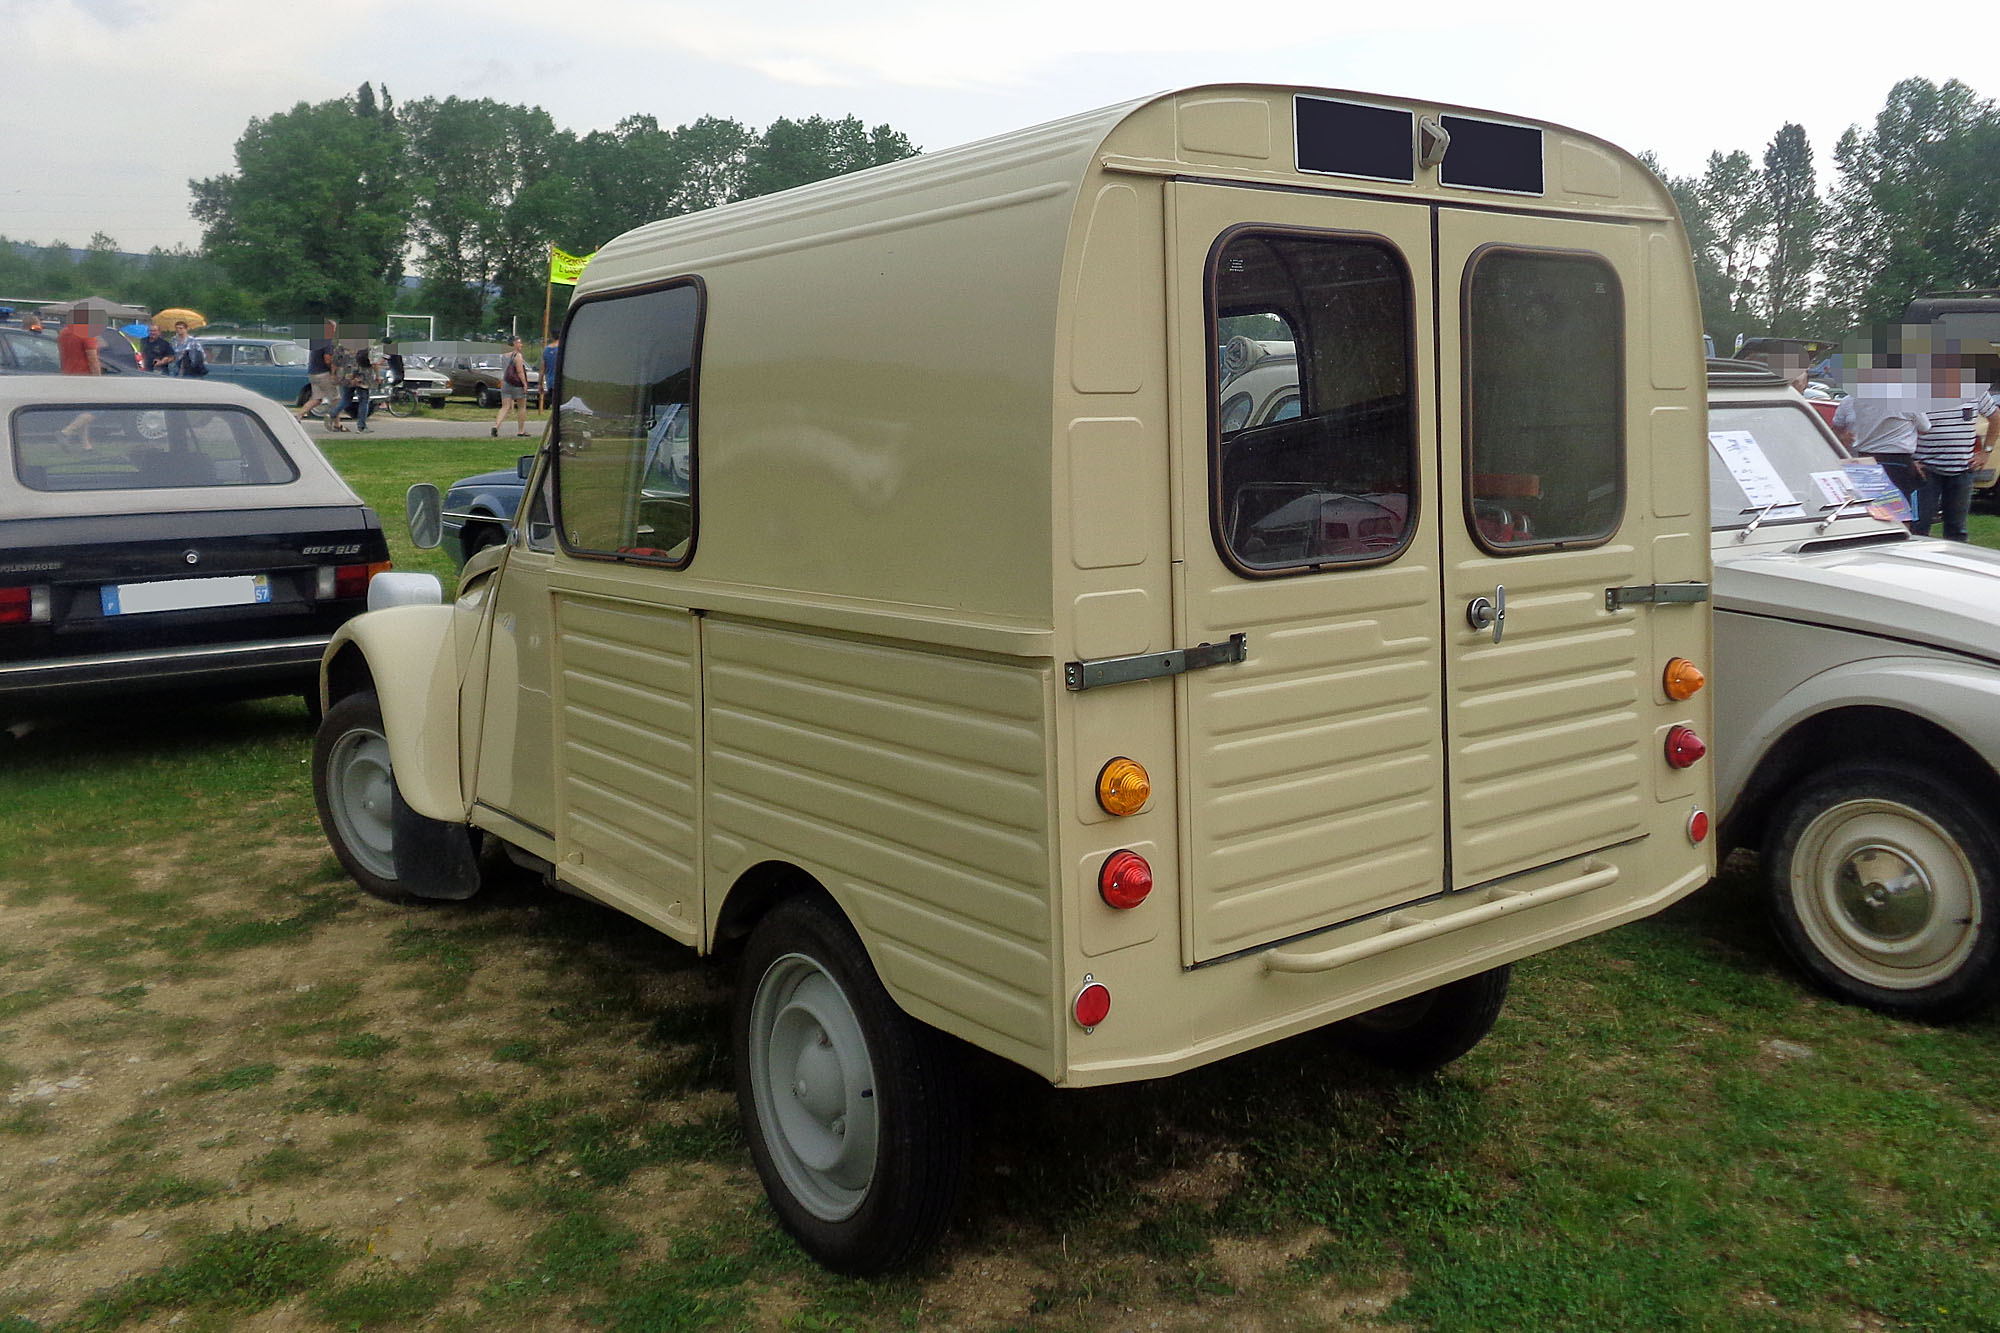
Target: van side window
(1313, 430)
(1544, 400)
(625, 438)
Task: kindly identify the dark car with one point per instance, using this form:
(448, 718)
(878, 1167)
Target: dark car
(477, 375)
(479, 510)
(26, 353)
(168, 534)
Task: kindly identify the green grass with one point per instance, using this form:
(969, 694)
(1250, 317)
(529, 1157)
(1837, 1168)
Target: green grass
(1626, 1151)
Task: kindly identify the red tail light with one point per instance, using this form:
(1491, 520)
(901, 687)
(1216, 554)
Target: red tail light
(24, 606)
(1125, 880)
(1684, 748)
(352, 580)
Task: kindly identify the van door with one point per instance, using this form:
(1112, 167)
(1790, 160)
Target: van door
(1548, 710)
(1313, 783)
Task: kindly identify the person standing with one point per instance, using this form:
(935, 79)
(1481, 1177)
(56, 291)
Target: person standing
(157, 353)
(1950, 451)
(1883, 419)
(76, 345)
(551, 353)
(513, 387)
(319, 375)
(360, 383)
(341, 357)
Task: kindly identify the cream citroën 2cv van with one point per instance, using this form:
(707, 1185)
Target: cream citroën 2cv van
(894, 603)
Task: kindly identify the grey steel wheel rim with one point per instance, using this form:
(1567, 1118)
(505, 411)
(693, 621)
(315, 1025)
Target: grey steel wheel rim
(813, 1083)
(361, 795)
(1886, 894)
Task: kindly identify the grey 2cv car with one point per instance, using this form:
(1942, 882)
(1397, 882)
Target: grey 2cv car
(1857, 712)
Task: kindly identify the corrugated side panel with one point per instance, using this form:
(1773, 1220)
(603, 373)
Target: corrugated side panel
(1549, 729)
(628, 738)
(1314, 780)
(915, 786)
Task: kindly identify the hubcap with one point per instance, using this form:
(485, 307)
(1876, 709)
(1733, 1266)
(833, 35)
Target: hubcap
(1886, 894)
(814, 1087)
(363, 791)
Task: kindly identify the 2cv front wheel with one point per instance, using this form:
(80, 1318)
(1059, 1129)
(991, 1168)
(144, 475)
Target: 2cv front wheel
(852, 1115)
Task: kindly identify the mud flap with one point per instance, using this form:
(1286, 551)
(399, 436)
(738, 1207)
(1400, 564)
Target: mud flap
(433, 859)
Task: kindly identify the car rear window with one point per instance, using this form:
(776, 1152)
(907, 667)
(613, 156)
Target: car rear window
(102, 448)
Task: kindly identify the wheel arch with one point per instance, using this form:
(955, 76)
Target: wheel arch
(753, 896)
(407, 656)
(1848, 733)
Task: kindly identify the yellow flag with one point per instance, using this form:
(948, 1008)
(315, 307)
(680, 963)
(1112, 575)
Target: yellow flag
(567, 268)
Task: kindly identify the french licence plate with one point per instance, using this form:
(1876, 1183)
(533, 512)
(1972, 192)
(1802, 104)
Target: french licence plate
(127, 599)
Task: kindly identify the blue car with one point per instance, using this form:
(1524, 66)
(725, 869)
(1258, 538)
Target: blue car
(479, 510)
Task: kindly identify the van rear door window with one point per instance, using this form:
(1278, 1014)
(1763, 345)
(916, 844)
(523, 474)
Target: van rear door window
(625, 430)
(1314, 434)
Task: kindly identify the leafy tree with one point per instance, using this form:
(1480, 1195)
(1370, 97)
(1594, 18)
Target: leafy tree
(797, 152)
(1913, 206)
(1711, 285)
(315, 217)
(1791, 202)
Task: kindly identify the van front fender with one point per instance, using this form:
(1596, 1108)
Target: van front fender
(408, 655)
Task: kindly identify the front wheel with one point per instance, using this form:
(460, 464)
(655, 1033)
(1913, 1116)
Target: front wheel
(848, 1104)
(400, 402)
(390, 850)
(1881, 882)
(1430, 1030)
(489, 397)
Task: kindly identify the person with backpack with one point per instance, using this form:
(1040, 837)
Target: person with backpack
(189, 359)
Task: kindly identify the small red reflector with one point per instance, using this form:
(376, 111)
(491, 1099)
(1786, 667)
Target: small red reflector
(15, 606)
(1684, 747)
(1125, 880)
(1698, 827)
(1093, 1004)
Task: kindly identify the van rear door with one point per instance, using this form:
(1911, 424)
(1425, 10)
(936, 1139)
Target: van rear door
(1454, 459)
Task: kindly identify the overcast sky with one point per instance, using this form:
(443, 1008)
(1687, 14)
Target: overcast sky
(132, 98)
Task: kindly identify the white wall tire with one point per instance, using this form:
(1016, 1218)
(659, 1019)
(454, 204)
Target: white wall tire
(1880, 881)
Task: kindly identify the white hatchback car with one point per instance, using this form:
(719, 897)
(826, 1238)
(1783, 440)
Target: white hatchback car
(1857, 711)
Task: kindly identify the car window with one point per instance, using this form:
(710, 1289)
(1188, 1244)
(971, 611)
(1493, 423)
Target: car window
(1315, 328)
(286, 354)
(625, 432)
(105, 448)
(219, 354)
(35, 354)
(1545, 411)
(1772, 458)
(250, 354)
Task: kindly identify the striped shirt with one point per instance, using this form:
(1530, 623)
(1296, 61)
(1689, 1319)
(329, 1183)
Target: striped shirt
(1952, 437)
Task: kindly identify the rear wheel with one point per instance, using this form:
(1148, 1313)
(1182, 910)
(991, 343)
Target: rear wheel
(848, 1104)
(1883, 882)
(488, 397)
(1430, 1030)
(400, 402)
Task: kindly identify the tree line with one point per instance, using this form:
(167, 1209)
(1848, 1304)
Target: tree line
(331, 202)
(1911, 208)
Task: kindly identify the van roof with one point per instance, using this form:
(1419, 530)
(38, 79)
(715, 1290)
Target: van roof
(1227, 133)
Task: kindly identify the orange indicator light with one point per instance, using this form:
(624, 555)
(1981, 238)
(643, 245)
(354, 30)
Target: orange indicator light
(1683, 679)
(1123, 787)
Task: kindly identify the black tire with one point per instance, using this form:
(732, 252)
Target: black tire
(851, 1108)
(1428, 1031)
(488, 397)
(305, 396)
(400, 402)
(366, 820)
(1882, 880)
(478, 537)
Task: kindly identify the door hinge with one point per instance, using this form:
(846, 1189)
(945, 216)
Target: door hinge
(1615, 598)
(1151, 666)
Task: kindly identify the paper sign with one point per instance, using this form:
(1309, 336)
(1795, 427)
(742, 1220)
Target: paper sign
(1762, 486)
(1834, 489)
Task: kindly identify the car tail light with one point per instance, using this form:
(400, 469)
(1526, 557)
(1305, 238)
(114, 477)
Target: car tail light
(1682, 679)
(1092, 1004)
(1125, 880)
(346, 581)
(1123, 787)
(1684, 748)
(1698, 827)
(24, 606)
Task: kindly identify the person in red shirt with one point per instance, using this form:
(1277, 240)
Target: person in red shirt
(77, 345)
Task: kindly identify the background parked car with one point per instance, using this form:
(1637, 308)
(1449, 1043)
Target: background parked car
(274, 367)
(25, 353)
(168, 534)
(477, 375)
(478, 510)
(1857, 711)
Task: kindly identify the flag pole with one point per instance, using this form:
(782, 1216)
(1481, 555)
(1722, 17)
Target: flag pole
(548, 301)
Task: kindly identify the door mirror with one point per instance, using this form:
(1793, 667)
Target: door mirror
(524, 466)
(424, 508)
